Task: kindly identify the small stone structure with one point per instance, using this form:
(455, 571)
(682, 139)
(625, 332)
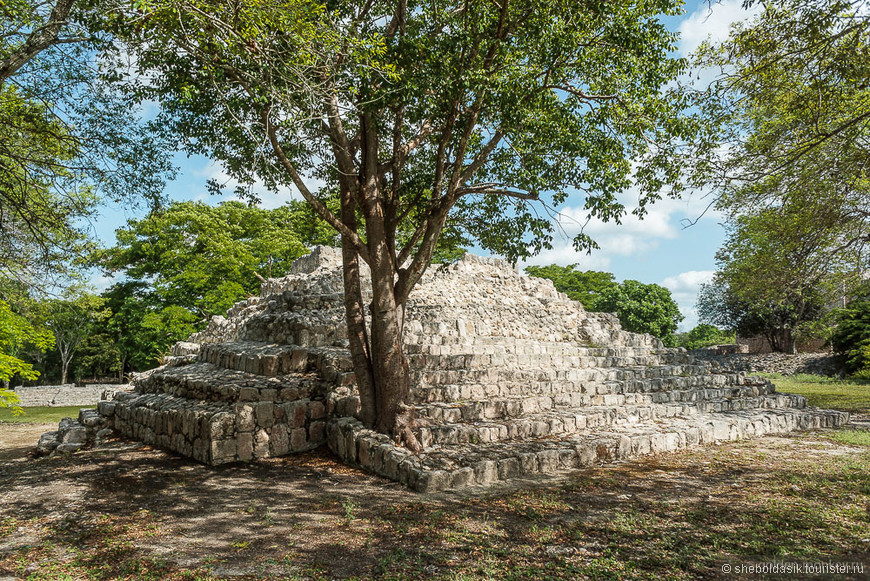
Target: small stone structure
(510, 378)
(66, 395)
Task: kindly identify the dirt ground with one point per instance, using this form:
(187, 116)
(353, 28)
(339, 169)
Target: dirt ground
(154, 514)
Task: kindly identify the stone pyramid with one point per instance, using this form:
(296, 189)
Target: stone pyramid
(510, 379)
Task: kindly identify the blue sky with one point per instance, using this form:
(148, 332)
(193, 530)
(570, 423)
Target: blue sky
(661, 249)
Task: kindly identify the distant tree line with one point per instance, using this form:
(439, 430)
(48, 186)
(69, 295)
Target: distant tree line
(175, 269)
(641, 308)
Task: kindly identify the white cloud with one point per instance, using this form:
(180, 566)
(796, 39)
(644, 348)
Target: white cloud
(711, 22)
(684, 289)
(633, 237)
(688, 281)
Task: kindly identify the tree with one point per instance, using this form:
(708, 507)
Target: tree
(643, 308)
(792, 103)
(205, 258)
(585, 286)
(420, 114)
(16, 333)
(781, 270)
(97, 356)
(73, 319)
(67, 139)
(851, 339)
(705, 335)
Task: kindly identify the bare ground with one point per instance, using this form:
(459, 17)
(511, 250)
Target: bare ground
(129, 511)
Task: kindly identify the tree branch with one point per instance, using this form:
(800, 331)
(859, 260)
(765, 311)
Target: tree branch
(38, 40)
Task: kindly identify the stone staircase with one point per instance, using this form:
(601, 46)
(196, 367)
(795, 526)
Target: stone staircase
(510, 379)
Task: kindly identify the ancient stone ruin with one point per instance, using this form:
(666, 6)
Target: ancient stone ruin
(510, 379)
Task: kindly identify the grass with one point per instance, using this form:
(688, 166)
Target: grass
(840, 394)
(678, 517)
(39, 415)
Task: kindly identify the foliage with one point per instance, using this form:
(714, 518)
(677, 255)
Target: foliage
(73, 318)
(793, 102)
(67, 139)
(643, 308)
(781, 270)
(704, 335)
(203, 258)
(585, 286)
(97, 356)
(16, 333)
(851, 339)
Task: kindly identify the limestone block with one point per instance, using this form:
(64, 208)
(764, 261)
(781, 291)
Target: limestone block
(77, 434)
(316, 410)
(264, 413)
(317, 432)
(528, 462)
(364, 452)
(432, 481)
(245, 446)
(508, 468)
(351, 447)
(548, 461)
(223, 451)
(298, 439)
(261, 443)
(69, 447)
(249, 394)
(245, 417)
(461, 478)
(279, 442)
(222, 425)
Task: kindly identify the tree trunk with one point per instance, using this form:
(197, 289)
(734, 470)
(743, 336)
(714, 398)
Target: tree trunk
(357, 336)
(789, 343)
(64, 367)
(391, 372)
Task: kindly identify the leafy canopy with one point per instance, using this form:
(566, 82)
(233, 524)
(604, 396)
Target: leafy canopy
(781, 271)
(68, 138)
(705, 335)
(203, 258)
(644, 308)
(641, 308)
(586, 286)
(792, 103)
(481, 107)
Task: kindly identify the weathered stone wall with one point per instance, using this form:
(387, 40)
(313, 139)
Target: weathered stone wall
(813, 363)
(67, 395)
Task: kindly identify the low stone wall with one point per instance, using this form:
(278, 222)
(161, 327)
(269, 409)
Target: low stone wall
(66, 395)
(814, 363)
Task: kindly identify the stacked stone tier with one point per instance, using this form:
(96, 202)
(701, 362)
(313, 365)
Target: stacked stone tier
(480, 464)
(510, 379)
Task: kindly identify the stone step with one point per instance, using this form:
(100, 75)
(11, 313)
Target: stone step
(271, 359)
(559, 422)
(495, 345)
(460, 466)
(296, 327)
(203, 381)
(584, 392)
(541, 361)
(499, 373)
(506, 408)
(218, 432)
